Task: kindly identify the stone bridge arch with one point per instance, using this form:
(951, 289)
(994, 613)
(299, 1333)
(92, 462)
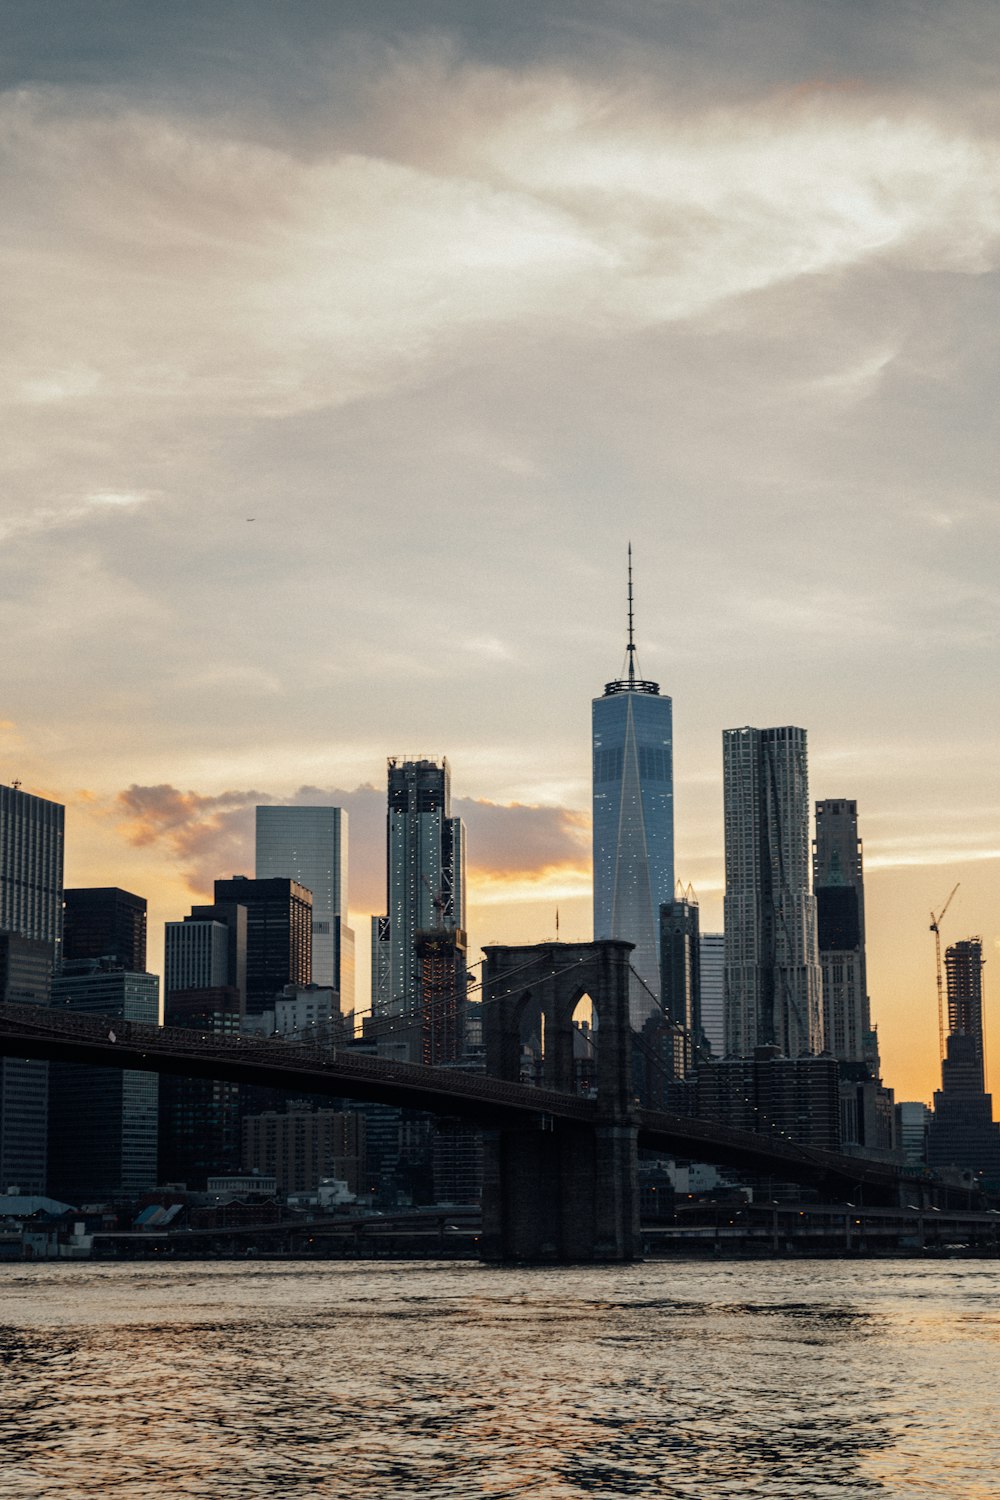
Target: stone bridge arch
(557, 1190)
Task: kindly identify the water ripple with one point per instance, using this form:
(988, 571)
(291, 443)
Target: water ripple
(831, 1379)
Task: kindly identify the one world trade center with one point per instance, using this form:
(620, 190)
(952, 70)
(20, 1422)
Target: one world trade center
(633, 819)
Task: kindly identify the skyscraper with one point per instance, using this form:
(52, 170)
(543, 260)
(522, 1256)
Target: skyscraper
(426, 881)
(105, 922)
(310, 845)
(31, 867)
(773, 979)
(31, 907)
(962, 1132)
(633, 802)
(25, 979)
(103, 1121)
(205, 984)
(279, 935)
(680, 969)
(963, 964)
(838, 886)
(713, 991)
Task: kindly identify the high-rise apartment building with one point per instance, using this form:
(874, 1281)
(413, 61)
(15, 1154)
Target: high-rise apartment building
(279, 935)
(962, 1132)
(773, 977)
(105, 922)
(633, 805)
(839, 891)
(303, 1146)
(31, 908)
(309, 844)
(963, 964)
(426, 881)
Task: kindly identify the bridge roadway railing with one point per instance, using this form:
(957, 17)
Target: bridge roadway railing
(681, 1135)
(310, 1062)
(761, 1153)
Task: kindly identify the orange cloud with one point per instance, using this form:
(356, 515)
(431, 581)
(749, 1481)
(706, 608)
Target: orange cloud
(509, 845)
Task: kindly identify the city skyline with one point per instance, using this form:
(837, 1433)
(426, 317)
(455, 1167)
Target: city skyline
(387, 347)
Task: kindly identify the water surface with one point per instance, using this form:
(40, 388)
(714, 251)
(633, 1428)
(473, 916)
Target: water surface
(807, 1379)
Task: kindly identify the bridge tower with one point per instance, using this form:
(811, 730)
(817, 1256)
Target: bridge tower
(557, 1190)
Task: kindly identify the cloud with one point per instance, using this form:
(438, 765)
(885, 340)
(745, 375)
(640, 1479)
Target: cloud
(51, 517)
(513, 845)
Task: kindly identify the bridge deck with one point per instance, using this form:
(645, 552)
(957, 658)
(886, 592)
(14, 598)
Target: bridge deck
(35, 1031)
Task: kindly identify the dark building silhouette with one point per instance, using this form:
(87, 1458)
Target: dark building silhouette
(31, 907)
(680, 975)
(441, 967)
(25, 979)
(103, 1121)
(838, 886)
(962, 1132)
(279, 935)
(199, 1134)
(105, 922)
(208, 949)
(303, 1146)
(963, 964)
(795, 1097)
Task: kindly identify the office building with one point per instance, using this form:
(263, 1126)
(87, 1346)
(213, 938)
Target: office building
(207, 949)
(912, 1122)
(199, 1118)
(205, 991)
(426, 881)
(633, 822)
(309, 844)
(713, 991)
(105, 922)
(31, 867)
(25, 979)
(103, 1121)
(839, 891)
(680, 973)
(773, 978)
(31, 908)
(278, 935)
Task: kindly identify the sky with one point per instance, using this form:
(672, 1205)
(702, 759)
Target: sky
(345, 347)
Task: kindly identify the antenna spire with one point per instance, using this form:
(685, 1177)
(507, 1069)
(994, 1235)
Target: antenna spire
(631, 624)
(631, 681)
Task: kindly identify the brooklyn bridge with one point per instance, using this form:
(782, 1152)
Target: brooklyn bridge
(560, 1168)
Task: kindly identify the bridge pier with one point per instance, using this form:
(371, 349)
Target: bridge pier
(556, 1190)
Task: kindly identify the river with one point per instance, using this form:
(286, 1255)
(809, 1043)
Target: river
(684, 1379)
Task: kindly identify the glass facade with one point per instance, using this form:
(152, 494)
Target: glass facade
(309, 845)
(279, 935)
(633, 826)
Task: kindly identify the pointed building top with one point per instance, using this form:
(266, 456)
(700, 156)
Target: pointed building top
(631, 682)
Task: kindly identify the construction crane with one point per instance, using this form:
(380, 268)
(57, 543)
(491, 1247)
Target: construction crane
(936, 929)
